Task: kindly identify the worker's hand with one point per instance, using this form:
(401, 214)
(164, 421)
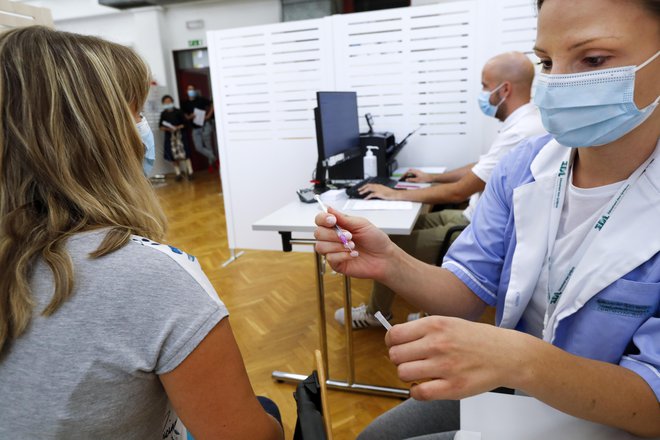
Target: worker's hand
(417, 176)
(376, 191)
(374, 248)
(452, 358)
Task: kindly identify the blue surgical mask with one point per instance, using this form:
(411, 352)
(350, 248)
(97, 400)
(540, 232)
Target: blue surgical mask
(169, 106)
(192, 94)
(484, 101)
(149, 145)
(591, 108)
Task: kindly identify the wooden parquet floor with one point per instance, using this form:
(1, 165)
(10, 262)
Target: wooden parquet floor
(272, 303)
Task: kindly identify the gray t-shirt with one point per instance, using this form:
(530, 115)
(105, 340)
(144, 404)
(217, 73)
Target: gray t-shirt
(90, 370)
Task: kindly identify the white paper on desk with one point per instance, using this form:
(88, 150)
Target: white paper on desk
(411, 185)
(434, 170)
(199, 116)
(512, 417)
(334, 195)
(377, 205)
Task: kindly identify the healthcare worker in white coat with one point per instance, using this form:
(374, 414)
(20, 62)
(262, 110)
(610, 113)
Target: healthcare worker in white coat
(565, 243)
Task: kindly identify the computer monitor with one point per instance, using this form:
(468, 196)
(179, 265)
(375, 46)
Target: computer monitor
(337, 127)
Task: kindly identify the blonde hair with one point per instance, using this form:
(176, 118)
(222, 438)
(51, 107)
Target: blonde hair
(70, 159)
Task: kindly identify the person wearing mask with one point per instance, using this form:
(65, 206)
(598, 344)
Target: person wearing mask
(175, 148)
(104, 330)
(506, 80)
(564, 242)
(202, 131)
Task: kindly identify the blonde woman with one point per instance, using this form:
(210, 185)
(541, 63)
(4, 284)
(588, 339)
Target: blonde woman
(104, 332)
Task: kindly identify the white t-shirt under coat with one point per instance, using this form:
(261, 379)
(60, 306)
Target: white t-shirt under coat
(581, 209)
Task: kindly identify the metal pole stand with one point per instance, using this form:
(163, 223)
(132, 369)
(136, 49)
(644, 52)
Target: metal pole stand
(349, 385)
(233, 256)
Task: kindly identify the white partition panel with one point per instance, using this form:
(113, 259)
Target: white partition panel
(414, 67)
(265, 80)
(517, 25)
(503, 26)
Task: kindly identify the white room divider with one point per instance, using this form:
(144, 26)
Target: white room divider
(265, 80)
(13, 15)
(412, 67)
(517, 25)
(409, 66)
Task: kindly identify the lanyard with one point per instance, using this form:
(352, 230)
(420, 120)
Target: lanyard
(559, 194)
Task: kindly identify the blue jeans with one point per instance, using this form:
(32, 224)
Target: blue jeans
(268, 405)
(203, 140)
(414, 419)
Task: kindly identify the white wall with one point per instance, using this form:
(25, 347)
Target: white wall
(220, 15)
(224, 15)
(114, 26)
(154, 32)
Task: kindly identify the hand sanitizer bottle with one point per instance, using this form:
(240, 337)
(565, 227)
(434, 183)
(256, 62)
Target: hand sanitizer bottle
(370, 164)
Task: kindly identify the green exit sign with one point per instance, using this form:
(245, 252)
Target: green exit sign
(196, 43)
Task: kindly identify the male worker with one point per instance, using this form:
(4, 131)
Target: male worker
(507, 81)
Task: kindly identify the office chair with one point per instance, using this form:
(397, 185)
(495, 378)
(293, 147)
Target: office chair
(447, 241)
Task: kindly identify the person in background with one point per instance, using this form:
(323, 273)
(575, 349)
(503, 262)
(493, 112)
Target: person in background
(104, 331)
(175, 147)
(506, 80)
(202, 133)
(564, 242)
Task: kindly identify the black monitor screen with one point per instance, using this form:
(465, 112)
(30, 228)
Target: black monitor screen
(338, 125)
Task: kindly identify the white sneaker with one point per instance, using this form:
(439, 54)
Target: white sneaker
(416, 316)
(361, 318)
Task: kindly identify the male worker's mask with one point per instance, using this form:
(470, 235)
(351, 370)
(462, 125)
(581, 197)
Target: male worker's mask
(484, 101)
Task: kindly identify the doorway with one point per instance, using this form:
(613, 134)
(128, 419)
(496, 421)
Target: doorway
(192, 68)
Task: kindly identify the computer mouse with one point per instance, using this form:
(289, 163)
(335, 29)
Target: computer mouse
(406, 176)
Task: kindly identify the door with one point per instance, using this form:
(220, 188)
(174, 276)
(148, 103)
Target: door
(192, 68)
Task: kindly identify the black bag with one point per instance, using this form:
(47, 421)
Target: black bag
(309, 425)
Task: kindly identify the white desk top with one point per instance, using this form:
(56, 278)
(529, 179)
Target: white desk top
(494, 416)
(299, 217)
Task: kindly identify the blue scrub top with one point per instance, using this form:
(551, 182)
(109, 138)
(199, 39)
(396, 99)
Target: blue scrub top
(619, 325)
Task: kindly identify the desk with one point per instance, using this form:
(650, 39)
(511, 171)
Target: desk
(494, 416)
(299, 217)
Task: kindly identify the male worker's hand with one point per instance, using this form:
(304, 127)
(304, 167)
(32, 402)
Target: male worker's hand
(417, 176)
(376, 191)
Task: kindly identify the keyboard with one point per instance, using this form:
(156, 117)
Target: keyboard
(353, 190)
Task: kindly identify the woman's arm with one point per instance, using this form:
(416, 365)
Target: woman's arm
(433, 289)
(211, 392)
(464, 358)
